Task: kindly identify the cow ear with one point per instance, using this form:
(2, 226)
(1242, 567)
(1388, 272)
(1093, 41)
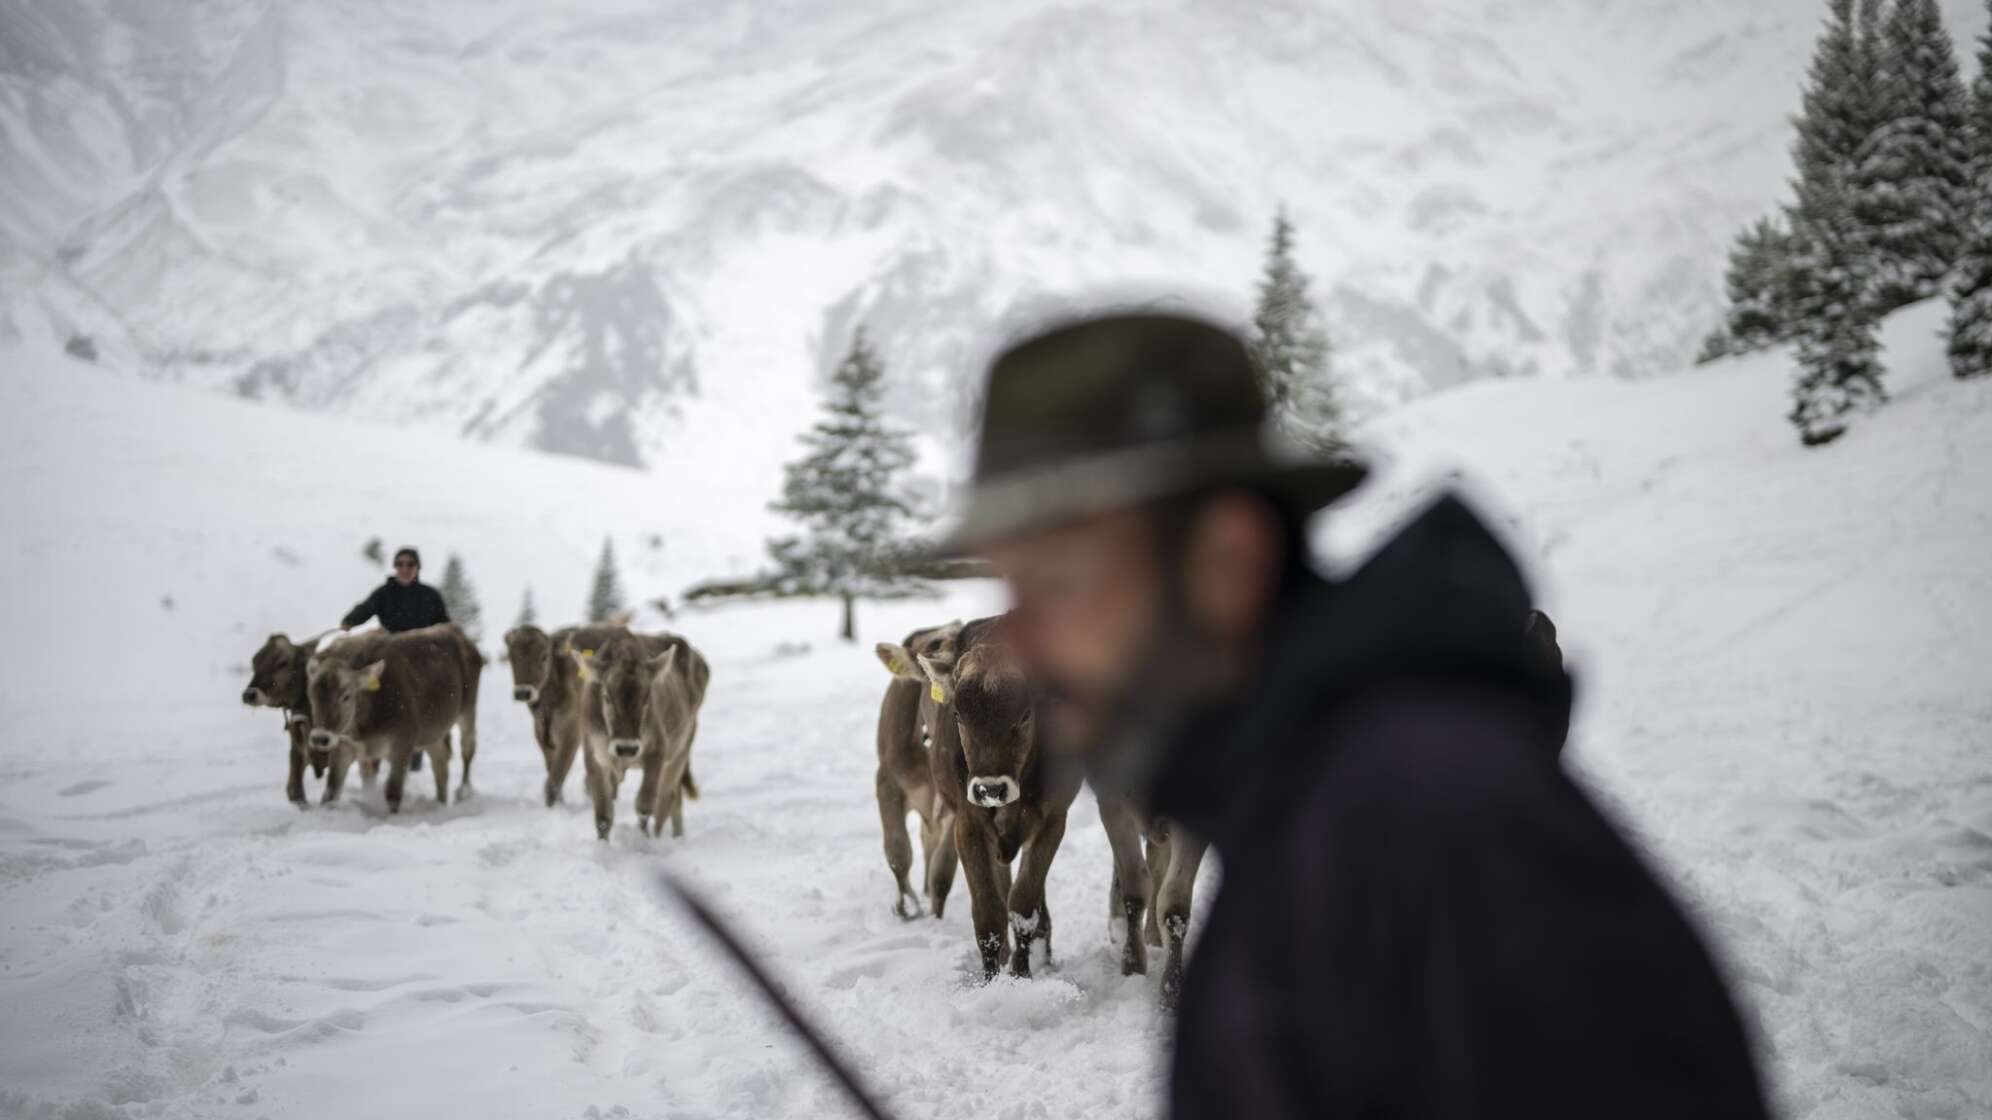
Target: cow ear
(900, 663)
(311, 669)
(370, 676)
(663, 661)
(584, 660)
(940, 679)
(280, 641)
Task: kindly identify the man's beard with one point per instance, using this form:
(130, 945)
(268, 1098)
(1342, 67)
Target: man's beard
(1126, 735)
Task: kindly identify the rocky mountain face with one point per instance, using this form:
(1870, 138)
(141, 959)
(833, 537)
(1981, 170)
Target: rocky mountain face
(640, 232)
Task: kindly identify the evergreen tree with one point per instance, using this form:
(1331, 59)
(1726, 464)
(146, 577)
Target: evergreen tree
(528, 616)
(460, 598)
(1839, 371)
(1290, 350)
(1845, 102)
(1911, 185)
(1762, 287)
(605, 596)
(1971, 293)
(847, 492)
(374, 551)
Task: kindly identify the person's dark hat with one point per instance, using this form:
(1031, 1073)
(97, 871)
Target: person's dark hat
(410, 553)
(1105, 413)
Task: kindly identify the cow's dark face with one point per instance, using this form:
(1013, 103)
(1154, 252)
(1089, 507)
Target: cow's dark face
(994, 708)
(342, 699)
(276, 675)
(530, 653)
(621, 680)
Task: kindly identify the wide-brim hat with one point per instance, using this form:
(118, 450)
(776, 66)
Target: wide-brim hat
(1117, 411)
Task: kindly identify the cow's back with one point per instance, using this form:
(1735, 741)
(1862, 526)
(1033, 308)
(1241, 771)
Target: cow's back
(435, 668)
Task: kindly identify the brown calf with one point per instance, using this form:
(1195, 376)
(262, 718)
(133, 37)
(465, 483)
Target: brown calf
(387, 696)
(639, 706)
(905, 777)
(1008, 799)
(1160, 881)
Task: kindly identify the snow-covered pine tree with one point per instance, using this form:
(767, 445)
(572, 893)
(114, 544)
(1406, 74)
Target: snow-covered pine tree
(1844, 104)
(1971, 292)
(460, 598)
(1761, 287)
(605, 595)
(848, 492)
(1290, 350)
(1839, 370)
(1911, 185)
(528, 615)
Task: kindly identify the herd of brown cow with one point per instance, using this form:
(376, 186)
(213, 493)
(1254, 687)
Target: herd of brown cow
(958, 744)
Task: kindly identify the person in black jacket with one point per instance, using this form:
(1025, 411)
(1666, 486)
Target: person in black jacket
(404, 602)
(1420, 914)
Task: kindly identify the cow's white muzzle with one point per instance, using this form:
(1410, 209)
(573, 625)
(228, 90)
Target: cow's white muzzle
(626, 748)
(992, 793)
(526, 692)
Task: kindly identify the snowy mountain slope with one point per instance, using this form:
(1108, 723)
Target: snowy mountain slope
(615, 229)
(1782, 657)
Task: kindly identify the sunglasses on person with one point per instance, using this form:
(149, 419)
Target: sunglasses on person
(409, 564)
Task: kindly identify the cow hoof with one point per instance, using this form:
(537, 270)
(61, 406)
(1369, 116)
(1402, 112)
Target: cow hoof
(300, 802)
(907, 907)
(601, 829)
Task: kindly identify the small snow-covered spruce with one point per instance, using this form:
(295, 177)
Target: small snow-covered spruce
(460, 598)
(1971, 291)
(374, 552)
(1839, 372)
(605, 595)
(1911, 185)
(528, 616)
(1761, 287)
(1290, 350)
(848, 493)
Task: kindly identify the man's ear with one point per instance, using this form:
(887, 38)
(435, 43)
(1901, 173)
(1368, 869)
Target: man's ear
(370, 676)
(940, 679)
(900, 663)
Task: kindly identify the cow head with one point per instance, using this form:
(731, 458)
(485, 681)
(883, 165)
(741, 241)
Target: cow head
(993, 705)
(342, 699)
(277, 674)
(530, 653)
(621, 677)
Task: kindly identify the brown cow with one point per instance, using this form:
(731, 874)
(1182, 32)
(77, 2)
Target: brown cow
(386, 696)
(1008, 798)
(905, 777)
(277, 680)
(1160, 881)
(639, 707)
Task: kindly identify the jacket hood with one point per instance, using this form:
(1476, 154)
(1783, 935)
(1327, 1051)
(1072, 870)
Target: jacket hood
(1442, 599)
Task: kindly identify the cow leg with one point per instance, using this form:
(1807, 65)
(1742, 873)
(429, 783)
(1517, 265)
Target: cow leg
(398, 758)
(1030, 918)
(467, 738)
(898, 845)
(368, 769)
(671, 792)
(294, 785)
(646, 795)
(987, 898)
(602, 788)
(439, 760)
(941, 869)
(1186, 854)
(341, 758)
(1158, 870)
(1129, 895)
(566, 746)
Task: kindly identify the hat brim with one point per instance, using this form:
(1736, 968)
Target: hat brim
(1031, 501)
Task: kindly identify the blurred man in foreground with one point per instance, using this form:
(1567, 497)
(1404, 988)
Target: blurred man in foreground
(1419, 915)
(404, 602)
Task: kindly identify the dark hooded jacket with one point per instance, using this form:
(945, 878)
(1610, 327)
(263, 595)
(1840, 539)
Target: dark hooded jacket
(400, 608)
(1420, 915)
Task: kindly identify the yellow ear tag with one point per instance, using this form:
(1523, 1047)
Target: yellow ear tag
(939, 696)
(373, 684)
(893, 666)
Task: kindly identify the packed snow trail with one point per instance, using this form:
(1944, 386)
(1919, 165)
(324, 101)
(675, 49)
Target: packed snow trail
(1782, 659)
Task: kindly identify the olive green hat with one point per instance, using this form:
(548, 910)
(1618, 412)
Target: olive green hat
(1105, 413)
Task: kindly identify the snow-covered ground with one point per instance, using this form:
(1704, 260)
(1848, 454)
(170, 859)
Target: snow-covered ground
(1784, 659)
